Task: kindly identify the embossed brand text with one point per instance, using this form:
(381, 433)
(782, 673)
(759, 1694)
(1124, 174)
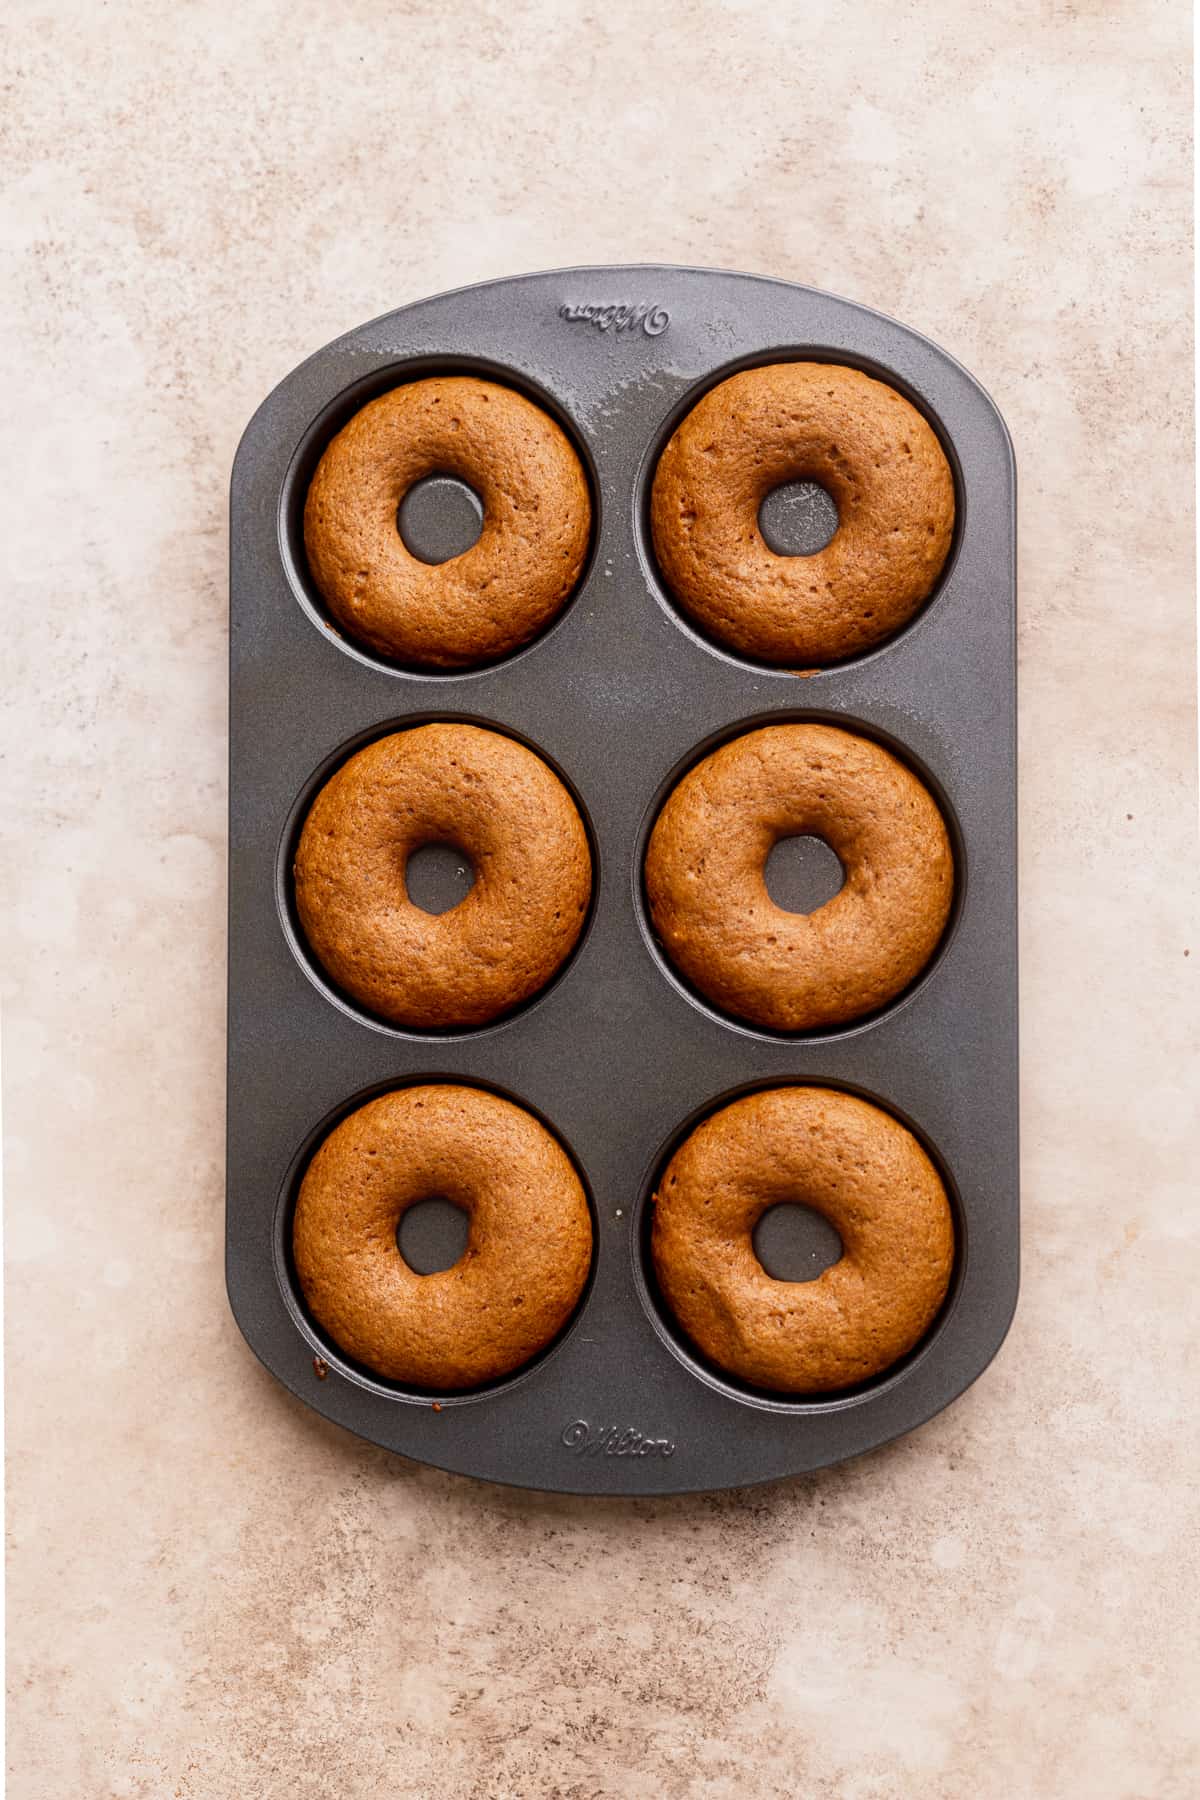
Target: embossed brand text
(612, 1440)
(652, 319)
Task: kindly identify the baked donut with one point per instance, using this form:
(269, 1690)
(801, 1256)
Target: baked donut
(529, 1245)
(498, 594)
(874, 455)
(847, 1160)
(506, 811)
(708, 898)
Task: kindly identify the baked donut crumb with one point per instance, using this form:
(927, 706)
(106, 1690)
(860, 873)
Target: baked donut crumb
(707, 894)
(528, 1251)
(530, 553)
(872, 452)
(858, 1167)
(507, 811)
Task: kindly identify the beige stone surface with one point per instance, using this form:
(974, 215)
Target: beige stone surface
(214, 1594)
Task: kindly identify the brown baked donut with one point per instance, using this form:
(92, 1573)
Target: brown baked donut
(496, 595)
(506, 811)
(528, 1250)
(857, 1166)
(709, 901)
(867, 447)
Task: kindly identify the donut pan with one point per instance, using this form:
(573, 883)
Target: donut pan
(621, 695)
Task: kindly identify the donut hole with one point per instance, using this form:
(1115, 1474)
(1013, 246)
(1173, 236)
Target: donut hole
(439, 518)
(795, 1243)
(798, 518)
(438, 876)
(432, 1235)
(803, 873)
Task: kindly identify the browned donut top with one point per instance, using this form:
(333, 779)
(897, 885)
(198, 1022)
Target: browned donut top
(528, 1250)
(709, 901)
(872, 452)
(864, 1172)
(496, 595)
(512, 817)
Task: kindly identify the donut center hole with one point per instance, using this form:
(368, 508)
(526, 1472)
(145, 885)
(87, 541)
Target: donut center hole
(794, 1243)
(438, 876)
(798, 518)
(803, 873)
(439, 518)
(432, 1235)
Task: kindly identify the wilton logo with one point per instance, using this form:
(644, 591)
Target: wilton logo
(610, 1440)
(652, 319)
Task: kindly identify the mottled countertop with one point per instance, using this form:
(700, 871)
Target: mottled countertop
(213, 1594)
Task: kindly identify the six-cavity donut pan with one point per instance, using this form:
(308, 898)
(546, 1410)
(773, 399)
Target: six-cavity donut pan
(617, 1056)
